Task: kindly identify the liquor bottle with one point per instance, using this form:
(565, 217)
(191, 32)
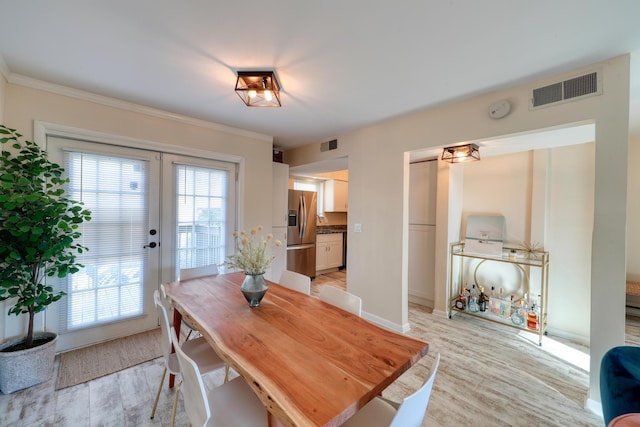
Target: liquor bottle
(461, 302)
(473, 299)
(532, 317)
(517, 317)
(482, 300)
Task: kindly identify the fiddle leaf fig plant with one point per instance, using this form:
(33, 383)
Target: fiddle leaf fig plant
(39, 227)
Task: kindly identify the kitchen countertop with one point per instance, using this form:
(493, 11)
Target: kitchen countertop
(329, 229)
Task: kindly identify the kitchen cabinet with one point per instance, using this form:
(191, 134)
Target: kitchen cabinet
(422, 192)
(328, 251)
(336, 195)
(280, 195)
(422, 255)
(279, 263)
(279, 216)
(422, 231)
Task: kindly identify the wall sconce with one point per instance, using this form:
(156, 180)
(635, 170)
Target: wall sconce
(258, 88)
(461, 153)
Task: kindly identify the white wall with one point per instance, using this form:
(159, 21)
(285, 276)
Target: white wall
(633, 212)
(504, 185)
(23, 105)
(568, 239)
(500, 186)
(376, 193)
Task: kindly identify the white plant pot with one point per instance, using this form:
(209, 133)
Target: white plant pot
(25, 368)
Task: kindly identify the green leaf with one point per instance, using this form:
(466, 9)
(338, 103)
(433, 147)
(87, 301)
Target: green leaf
(38, 224)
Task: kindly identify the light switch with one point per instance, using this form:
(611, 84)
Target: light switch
(357, 228)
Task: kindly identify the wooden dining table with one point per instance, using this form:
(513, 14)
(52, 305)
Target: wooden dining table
(309, 362)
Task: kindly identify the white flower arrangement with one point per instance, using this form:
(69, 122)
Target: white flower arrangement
(253, 254)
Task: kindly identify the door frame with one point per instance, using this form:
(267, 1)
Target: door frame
(168, 210)
(42, 130)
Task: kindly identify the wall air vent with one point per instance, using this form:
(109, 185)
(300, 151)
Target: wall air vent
(568, 90)
(329, 145)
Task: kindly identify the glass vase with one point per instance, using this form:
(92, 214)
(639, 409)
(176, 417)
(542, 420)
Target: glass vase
(253, 288)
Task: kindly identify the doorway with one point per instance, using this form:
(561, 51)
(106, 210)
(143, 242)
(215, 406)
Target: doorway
(152, 213)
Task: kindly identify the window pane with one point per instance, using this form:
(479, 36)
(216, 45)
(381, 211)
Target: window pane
(201, 206)
(110, 285)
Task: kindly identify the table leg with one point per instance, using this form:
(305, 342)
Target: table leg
(177, 321)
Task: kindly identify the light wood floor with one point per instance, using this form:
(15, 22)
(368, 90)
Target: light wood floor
(489, 375)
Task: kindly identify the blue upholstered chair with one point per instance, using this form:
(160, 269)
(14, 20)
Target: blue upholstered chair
(620, 382)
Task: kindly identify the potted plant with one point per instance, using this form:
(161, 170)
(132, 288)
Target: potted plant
(39, 231)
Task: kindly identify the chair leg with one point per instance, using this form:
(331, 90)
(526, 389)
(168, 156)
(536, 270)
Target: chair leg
(226, 373)
(155, 402)
(188, 335)
(175, 404)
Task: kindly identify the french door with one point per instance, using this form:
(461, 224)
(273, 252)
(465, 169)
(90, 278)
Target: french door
(201, 214)
(131, 251)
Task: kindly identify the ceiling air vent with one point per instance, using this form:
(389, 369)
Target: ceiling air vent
(577, 87)
(329, 145)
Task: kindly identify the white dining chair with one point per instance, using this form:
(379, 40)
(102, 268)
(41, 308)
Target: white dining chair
(409, 413)
(198, 349)
(232, 404)
(342, 299)
(194, 273)
(296, 281)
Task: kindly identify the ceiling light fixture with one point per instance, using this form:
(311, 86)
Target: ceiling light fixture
(258, 88)
(461, 153)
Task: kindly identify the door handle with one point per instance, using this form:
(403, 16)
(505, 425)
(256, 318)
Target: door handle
(150, 245)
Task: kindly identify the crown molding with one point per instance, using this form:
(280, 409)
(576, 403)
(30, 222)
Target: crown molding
(21, 80)
(4, 68)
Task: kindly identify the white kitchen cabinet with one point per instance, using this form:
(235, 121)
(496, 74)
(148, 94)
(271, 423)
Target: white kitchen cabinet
(280, 195)
(422, 253)
(328, 251)
(336, 195)
(280, 201)
(422, 230)
(279, 263)
(422, 192)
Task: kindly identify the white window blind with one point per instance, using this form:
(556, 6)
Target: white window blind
(110, 286)
(201, 215)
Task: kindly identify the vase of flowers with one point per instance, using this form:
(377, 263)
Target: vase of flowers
(253, 256)
(254, 287)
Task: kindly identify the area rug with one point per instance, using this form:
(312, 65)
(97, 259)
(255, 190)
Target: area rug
(88, 363)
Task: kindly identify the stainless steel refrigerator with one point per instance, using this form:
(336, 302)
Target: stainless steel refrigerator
(301, 232)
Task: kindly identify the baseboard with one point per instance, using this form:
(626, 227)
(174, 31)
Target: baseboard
(440, 313)
(385, 323)
(576, 338)
(416, 299)
(328, 270)
(593, 406)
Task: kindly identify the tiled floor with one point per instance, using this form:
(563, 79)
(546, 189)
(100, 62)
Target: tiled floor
(489, 375)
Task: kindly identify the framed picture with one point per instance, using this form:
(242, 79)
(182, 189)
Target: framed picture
(484, 234)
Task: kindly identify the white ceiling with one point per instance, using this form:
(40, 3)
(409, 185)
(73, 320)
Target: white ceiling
(342, 65)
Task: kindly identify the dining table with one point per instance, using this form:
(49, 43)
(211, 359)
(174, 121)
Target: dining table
(309, 362)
